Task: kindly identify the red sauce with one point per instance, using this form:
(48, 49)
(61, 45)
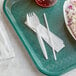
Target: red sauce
(46, 3)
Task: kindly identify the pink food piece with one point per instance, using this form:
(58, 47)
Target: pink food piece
(46, 3)
(70, 7)
(66, 11)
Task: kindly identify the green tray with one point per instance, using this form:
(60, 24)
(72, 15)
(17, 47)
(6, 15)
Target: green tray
(16, 11)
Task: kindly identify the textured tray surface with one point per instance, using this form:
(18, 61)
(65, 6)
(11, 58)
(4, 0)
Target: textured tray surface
(16, 11)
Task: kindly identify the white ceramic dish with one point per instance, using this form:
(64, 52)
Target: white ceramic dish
(66, 3)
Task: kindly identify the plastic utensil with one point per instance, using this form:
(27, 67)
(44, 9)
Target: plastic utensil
(50, 37)
(33, 21)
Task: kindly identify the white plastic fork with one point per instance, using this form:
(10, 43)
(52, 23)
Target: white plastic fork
(33, 21)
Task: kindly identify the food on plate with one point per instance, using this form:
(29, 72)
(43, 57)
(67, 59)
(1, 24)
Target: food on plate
(71, 16)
